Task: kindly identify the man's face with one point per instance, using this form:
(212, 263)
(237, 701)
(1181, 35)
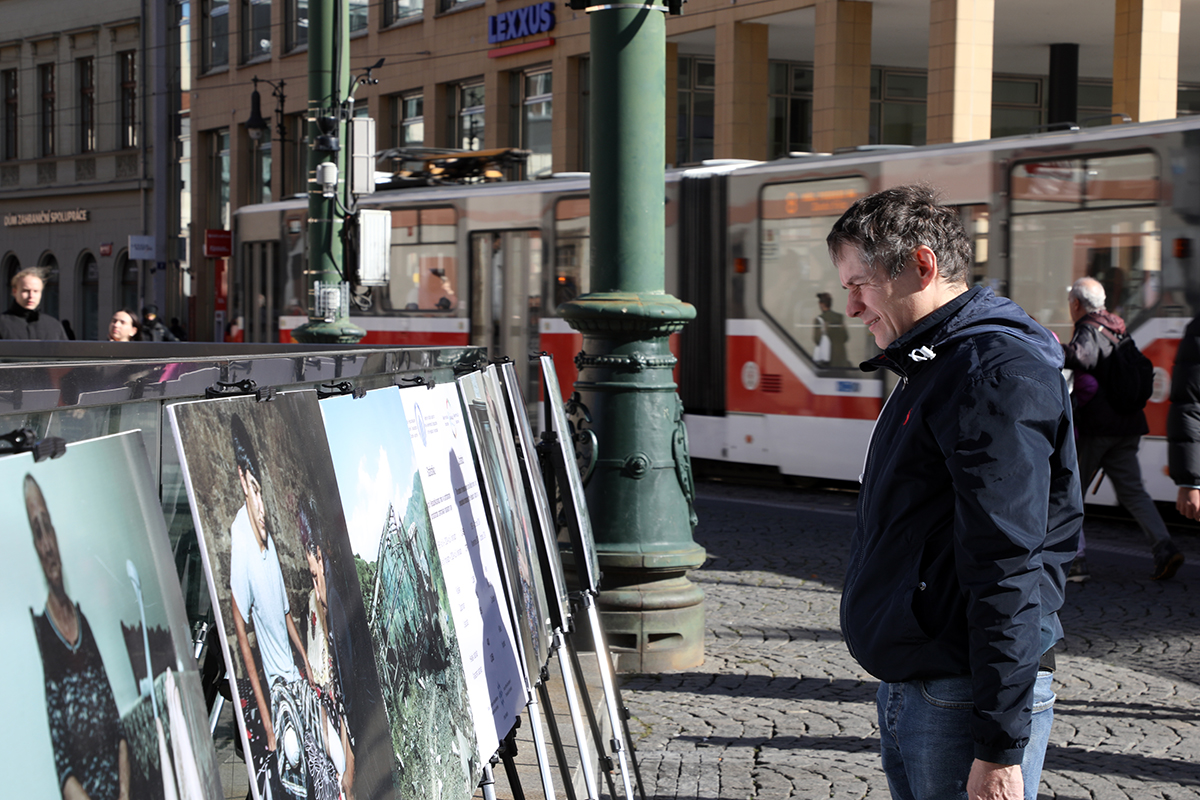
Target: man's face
(316, 571)
(28, 292)
(886, 305)
(255, 507)
(45, 540)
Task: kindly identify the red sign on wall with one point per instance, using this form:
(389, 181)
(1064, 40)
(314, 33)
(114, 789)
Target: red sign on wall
(218, 243)
(106, 248)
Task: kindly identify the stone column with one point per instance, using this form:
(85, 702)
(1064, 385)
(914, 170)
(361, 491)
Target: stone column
(741, 92)
(959, 103)
(842, 75)
(1146, 59)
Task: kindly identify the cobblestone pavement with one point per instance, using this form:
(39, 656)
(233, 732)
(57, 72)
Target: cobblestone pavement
(779, 709)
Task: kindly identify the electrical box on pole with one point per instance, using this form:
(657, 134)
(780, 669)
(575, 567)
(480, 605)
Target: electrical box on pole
(374, 246)
(362, 155)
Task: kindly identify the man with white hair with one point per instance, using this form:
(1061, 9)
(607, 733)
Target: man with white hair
(1107, 438)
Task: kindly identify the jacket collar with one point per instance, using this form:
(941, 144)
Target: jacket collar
(29, 315)
(915, 345)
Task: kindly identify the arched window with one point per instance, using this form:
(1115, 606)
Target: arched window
(89, 297)
(49, 265)
(12, 266)
(127, 273)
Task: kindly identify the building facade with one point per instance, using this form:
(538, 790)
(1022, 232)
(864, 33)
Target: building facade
(749, 79)
(83, 166)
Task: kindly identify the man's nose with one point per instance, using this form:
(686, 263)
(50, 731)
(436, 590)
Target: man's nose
(854, 306)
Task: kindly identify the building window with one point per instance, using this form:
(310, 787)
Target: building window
(296, 12)
(446, 5)
(127, 273)
(408, 120)
(696, 109)
(358, 15)
(537, 106)
(218, 210)
(398, 10)
(898, 106)
(1016, 105)
(469, 109)
(46, 110)
(256, 29)
(127, 61)
(12, 115)
(1189, 100)
(790, 108)
(1094, 102)
(49, 264)
(215, 24)
(85, 80)
(89, 297)
(260, 178)
(585, 114)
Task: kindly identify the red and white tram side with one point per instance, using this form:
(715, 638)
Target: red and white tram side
(490, 265)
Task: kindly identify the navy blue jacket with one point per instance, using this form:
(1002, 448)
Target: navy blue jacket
(969, 513)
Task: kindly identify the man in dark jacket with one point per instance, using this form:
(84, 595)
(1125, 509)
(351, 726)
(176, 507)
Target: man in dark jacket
(1108, 439)
(22, 320)
(969, 510)
(153, 329)
(1183, 423)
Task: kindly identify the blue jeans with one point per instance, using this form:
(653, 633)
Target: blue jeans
(925, 731)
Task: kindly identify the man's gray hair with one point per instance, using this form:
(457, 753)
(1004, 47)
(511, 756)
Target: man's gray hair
(1090, 294)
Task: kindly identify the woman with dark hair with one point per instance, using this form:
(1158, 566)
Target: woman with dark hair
(124, 326)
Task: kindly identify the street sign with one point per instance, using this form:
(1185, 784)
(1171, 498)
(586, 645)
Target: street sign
(218, 243)
(141, 248)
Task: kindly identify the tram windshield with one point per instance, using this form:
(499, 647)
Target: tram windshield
(1096, 217)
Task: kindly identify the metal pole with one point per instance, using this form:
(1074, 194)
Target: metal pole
(640, 494)
(328, 74)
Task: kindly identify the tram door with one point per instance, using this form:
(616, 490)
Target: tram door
(255, 288)
(506, 302)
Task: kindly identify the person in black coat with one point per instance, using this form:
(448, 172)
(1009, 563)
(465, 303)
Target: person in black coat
(1108, 439)
(22, 320)
(1183, 423)
(153, 329)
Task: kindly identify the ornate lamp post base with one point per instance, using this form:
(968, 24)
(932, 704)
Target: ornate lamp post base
(640, 495)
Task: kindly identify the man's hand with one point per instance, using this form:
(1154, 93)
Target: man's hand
(990, 781)
(1187, 502)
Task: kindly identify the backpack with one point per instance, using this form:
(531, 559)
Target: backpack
(1126, 375)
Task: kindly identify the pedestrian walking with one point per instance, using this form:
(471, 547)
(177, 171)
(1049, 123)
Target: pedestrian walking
(1110, 432)
(1183, 423)
(968, 512)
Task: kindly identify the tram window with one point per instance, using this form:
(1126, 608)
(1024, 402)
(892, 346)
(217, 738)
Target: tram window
(1069, 184)
(423, 261)
(796, 269)
(1110, 231)
(572, 253)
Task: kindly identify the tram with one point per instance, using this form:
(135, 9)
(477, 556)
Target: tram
(491, 265)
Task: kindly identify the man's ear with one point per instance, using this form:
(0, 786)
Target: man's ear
(925, 262)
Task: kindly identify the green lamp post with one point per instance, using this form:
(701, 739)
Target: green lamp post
(641, 491)
(328, 69)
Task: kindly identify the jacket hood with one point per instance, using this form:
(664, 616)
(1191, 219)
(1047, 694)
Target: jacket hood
(1107, 319)
(975, 311)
